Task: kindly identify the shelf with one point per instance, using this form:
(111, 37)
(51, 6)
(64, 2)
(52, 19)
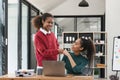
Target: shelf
(99, 67)
(100, 43)
(99, 55)
(100, 78)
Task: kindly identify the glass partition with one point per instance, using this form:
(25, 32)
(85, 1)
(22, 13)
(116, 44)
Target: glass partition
(89, 24)
(24, 36)
(32, 59)
(19, 34)
(67, 24)
(26, 57)
(81, 23)
(3, 37)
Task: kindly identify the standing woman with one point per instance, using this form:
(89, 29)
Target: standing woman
(46, 44)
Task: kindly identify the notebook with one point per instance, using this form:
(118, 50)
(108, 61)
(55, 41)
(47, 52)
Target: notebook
(53, 68)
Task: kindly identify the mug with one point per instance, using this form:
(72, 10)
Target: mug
(39, 70)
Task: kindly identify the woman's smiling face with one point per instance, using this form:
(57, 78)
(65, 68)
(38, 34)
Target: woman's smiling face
(48, 23)
(76, 46)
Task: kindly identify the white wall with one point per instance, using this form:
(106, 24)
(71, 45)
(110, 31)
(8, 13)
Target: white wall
(12, 38)
(112, 28)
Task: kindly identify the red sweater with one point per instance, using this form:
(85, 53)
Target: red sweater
(46, 47)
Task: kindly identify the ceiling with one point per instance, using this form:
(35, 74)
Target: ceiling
(70, 7)
(46, 5)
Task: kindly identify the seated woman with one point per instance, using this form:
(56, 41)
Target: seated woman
(75, 62)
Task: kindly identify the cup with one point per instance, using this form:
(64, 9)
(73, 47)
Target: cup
(39, 70)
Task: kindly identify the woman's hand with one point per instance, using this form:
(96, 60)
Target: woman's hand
(65, 52)
(60, 50)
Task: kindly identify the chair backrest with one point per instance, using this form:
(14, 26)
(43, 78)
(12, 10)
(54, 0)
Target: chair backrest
(87, 71)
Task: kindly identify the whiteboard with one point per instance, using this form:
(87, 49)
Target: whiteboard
(116, 54)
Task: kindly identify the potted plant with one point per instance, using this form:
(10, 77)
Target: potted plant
(96, 73)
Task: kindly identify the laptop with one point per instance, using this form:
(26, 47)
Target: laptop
(53, 68)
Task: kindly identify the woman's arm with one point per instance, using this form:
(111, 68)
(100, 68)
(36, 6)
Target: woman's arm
(72, 62)
(77, 68)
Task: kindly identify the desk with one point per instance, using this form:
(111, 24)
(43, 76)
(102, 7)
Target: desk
(42, 77)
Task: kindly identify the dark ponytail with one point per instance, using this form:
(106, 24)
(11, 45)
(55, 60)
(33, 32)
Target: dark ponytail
(36, 22)
(89, 48)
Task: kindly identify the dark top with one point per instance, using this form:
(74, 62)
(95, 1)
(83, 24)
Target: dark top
(80, 61)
